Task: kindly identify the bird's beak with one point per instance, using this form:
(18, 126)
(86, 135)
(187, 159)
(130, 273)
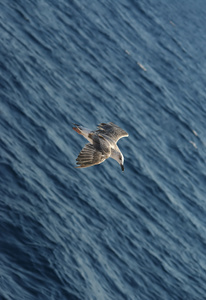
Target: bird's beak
(122, 166)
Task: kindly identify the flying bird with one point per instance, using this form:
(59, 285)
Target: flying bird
(102, 145)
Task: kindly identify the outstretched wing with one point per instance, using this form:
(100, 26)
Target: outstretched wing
(112, 130)
(89, 156)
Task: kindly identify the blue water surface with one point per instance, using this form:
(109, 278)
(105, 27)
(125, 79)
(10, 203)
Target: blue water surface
(98, 233)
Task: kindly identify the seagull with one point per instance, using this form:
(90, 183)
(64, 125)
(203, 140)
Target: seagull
(102, 145)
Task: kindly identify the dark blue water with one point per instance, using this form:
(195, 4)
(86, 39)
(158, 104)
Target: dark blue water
(98, 233)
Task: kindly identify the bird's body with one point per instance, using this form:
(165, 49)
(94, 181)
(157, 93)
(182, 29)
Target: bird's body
(102, 145)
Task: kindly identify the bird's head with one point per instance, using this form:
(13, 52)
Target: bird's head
(118, 156)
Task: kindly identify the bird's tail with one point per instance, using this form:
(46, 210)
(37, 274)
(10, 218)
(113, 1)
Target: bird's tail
(77, 128)
(83, 131)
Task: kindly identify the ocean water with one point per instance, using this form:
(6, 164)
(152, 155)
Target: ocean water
(98, 233)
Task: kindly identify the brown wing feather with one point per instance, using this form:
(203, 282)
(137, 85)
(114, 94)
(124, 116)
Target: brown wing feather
(89, 156)
(112, 130)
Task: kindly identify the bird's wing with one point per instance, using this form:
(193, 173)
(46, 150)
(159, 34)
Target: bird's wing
(90, 156)
(113, 131)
